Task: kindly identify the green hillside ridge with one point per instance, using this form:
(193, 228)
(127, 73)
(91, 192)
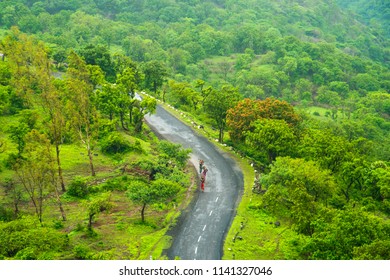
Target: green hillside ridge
(297, 91)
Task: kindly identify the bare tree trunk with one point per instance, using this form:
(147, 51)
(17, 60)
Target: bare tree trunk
(90, 156)
(90, 221)
(60, 168)
(143, 212)
(220, 135)
(122, 121)
(58, 199)
(131, 115)
(61, 209)
(40, 202)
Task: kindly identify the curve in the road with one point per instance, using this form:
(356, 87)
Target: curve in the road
(201, 229)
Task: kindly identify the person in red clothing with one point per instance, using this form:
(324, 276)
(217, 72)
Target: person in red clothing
(203, 178)
(202, 184)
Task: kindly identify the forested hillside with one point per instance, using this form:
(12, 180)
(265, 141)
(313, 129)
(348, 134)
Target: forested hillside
(375, 13)
(301, 88)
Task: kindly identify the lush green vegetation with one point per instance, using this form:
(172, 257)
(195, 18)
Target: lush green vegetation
(300, 88)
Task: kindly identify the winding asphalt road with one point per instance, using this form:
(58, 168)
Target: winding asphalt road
(201, 229)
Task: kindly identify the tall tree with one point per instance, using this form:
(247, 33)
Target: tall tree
(184, 95)
(26, 59)
(36, 171)
(272, 137)
(99, 55)
(32, 75)
(155, 73)
(127, 82)
(297, 189)
(81, 111)
(145, 106)
(241, 118)
(218, 103)
(52, 104)
(328, 149)
(107, 100)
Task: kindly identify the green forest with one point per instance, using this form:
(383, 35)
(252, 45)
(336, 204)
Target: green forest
(297, 90)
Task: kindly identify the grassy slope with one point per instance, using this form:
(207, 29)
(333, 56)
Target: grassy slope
(118, 234)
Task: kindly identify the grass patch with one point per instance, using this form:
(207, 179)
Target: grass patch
(323, 114)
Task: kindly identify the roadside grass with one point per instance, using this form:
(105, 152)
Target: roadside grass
(253, 234)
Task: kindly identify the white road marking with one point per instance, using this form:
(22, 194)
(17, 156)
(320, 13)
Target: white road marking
(196, 250)
(217, 199)
(199, 238)
(211, 212)
(204, 227)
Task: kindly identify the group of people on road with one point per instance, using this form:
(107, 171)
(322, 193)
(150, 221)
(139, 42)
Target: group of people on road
(203, 171)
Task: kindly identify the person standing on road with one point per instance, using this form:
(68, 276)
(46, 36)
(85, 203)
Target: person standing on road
(204, 172)
(202, 184)
(201, 163)
(203, 178)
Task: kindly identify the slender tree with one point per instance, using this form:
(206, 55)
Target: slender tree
(81, 111)
(145, 106)
(155, 73)
(36, 171)
(127, 84)
(31, 69)
(217, 105)
(97, 205)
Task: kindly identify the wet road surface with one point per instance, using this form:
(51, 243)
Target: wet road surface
(201, 229)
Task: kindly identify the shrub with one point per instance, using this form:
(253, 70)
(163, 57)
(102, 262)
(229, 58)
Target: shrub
(78, 187)
(5, 214)
(137, 146)
(115, 184)
(25, 238)
(57, 224)
(82, 252)
(175, 152)
(26, 254)
(115, 143)
(106, 128)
